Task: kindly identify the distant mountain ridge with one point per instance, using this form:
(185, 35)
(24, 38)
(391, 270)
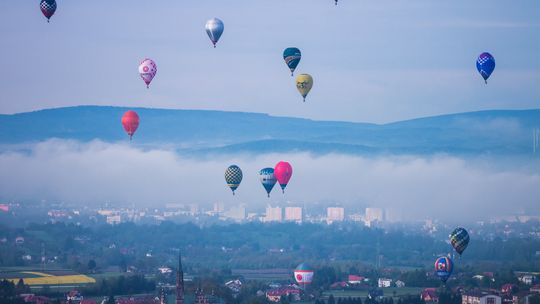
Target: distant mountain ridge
(202, 131)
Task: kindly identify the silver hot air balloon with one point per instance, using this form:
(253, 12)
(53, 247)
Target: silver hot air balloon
(214, 29)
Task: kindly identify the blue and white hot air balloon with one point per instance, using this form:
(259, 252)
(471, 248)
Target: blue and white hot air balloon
(214, 29)
(443, 268)
(485, 64)
(267, 178)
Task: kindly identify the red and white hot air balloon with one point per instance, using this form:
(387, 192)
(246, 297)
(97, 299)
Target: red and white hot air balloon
(130, 121)
(303, 274)
(147, 70)
(283, 173)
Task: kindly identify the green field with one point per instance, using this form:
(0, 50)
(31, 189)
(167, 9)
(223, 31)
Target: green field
(106, 275)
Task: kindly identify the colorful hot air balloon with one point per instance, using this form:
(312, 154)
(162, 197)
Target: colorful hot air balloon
(130, 121)
(214, 29)
(303, 274)
(443, 268)
(304, 83)
(292, 58)
(267, 178)
(459, 238)
(283, 173)
(147, 70)
(48, 7)
(233, 177)
(485, 64)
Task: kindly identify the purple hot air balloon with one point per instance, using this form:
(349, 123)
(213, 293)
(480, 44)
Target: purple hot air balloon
(147, 70)
(48, 7)
(485, 64)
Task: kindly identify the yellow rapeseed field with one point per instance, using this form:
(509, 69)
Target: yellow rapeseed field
(47, 279)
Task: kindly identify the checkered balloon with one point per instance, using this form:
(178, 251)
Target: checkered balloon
(485, 64)
(48, 7)
(233, 177)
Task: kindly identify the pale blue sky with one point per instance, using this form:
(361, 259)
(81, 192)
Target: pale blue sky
(374, 61)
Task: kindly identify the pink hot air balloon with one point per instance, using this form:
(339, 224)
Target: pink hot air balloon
(283, 173)
(147, 70)
(130, 121)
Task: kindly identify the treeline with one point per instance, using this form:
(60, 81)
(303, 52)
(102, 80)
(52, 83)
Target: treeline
(122, 285)
(9, 292)
(250, 245)
(368, 300)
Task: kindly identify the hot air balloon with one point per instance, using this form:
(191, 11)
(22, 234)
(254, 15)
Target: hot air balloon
(292, 58)
(147, 70)
(443, 268)
(233, 177)
(267, 178)
(283, 173)
(48, 7)
(485, 64)
(459, 238)
(303, 274)
(304, 83)
(130, 121)
(214, 29)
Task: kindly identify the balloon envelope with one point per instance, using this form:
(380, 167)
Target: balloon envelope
(147, 70)
(459, 238)
(303, 274)
(214, 29)
(485, 64)
(283, 172)
(443, 268)
(48, 7)
(130, 121)
(267, 178)
(304, 83)
(292, 58)
(233, 177)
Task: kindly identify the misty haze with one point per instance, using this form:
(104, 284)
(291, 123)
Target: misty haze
(260, 152)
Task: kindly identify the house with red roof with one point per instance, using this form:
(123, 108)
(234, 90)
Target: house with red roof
(274, 295)
(429, 295)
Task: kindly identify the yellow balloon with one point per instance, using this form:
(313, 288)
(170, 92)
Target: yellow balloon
(304, 83)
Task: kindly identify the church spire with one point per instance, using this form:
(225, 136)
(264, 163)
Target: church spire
(180, 282)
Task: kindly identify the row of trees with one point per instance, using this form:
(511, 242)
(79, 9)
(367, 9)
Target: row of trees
(9, 292)
(249, 245)
(368, 300)
(122, 285)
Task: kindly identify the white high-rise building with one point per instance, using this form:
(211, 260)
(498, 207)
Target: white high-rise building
(273, 214)
(218, 207)
(335, 214)
(294, 214)
(374, 214)
(237, 213)
(392, 215)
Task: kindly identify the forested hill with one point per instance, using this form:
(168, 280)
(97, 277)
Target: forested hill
(486, 132)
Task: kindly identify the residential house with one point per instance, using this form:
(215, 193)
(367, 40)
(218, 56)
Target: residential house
(508, 288)
(355, 279)
(535, 288)
(384, 283)
(274, 295)
(480, 297)
(429, 295)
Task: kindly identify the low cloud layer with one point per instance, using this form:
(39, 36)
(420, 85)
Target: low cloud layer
(444, 187)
